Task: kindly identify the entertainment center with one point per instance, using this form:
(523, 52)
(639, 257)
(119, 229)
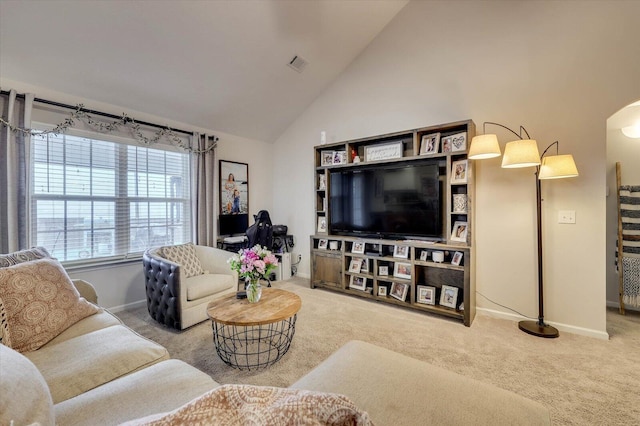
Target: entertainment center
(394, 217)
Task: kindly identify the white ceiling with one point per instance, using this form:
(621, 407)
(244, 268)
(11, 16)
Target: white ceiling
(218, 64)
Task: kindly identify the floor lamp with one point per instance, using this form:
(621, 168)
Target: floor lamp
(524, 153)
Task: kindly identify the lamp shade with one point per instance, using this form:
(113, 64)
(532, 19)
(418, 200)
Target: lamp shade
(521, 153)
(558, 167)
(484, 146)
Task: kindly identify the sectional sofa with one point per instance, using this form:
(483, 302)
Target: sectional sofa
(100, 372)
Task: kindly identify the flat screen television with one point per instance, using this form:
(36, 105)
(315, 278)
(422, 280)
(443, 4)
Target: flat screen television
(233, 223)
(396, 201)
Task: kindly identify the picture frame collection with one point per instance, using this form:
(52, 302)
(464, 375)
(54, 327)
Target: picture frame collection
(400, 274)
(435, 143)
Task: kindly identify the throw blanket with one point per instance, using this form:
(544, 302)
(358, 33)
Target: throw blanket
(261, 405)
(630, 215)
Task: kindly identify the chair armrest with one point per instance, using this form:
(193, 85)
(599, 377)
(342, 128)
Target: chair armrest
(86, 290)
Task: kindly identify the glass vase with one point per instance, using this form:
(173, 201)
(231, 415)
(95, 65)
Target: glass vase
(254, 291)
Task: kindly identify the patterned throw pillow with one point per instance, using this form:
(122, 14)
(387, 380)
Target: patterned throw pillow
(23, 256)
(11, 259)
(39, 302)
(185, 256)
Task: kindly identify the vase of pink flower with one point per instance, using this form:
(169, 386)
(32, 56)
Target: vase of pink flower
(253, 264)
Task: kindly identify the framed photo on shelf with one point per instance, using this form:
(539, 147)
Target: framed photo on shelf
(402, 270)
(358, 283)
(365, 266)
(401, 251)
(426, 295)
(326, 158)
(355, 266)
(385, 151)
(323, 244)
(459, 231)
(446, 144)
(357, 247)
(424, 254)
(399, 291)
(459, 171)
(457, 258)
(459, 142)
(322, 224)
(340, 157)
(383, 271)
(449, 296)
(382, 290)
(322, 182)
(430, 144)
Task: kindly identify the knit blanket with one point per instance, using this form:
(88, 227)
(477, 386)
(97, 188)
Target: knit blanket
(261, 405)
(630, 216)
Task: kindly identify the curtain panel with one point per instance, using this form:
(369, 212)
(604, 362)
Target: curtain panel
(203, 190)
(14, 171)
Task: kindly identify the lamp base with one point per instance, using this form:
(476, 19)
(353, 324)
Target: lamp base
(536, 329)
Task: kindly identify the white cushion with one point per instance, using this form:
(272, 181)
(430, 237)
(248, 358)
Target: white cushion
(206, 285)
(90, 360)
(185, 256)
(24, 395)
(159, 388)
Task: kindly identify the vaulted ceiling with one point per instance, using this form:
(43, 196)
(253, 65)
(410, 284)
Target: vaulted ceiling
(217, 64)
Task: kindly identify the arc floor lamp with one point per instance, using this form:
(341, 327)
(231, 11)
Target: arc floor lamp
(524, 153)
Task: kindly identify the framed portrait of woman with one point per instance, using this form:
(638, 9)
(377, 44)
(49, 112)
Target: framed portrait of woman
(234, 188)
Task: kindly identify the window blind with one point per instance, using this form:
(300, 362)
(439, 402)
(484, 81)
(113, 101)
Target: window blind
(94, 199)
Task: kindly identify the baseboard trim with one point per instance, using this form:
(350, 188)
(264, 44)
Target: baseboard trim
(127, 306)
(561, 327)
(616, 305)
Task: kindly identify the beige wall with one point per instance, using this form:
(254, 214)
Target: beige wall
(122, 285)
(558, 68)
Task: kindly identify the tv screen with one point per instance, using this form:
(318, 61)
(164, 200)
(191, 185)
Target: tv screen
(233, 223)
(394, 201)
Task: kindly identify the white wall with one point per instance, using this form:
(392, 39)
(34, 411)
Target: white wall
(558, 68)
(122, 285)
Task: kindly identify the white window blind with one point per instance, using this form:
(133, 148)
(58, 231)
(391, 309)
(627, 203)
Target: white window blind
(93, 199)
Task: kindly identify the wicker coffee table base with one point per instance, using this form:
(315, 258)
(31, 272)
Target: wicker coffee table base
(253, 347)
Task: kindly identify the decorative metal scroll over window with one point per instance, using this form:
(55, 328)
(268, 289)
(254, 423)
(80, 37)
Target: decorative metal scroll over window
(134, 128)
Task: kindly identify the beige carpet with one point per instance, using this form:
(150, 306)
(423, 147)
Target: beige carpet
(583, 381)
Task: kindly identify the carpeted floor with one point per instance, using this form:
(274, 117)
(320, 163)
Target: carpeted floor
(583, 381)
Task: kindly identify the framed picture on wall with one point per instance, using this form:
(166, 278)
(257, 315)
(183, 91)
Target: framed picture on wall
(234, 188)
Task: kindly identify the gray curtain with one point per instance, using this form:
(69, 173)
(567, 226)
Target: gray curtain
(14, 167)
(204, 192)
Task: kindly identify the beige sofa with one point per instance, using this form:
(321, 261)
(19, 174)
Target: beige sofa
(100, 372)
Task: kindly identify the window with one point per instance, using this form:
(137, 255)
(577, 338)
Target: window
(93, 198)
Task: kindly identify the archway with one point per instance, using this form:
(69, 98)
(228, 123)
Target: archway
(626, 150)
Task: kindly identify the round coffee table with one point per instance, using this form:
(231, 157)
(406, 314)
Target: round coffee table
(250, 336)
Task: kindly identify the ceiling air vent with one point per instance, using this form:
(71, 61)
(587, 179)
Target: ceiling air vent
(298, 63)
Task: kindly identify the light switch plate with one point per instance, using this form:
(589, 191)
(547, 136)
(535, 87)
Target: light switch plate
(567, 216)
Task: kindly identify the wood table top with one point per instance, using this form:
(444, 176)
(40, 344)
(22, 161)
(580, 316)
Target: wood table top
(274, 305)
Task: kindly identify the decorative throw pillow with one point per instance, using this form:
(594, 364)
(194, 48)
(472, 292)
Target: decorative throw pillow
(263, 405)
(185, 256)
(39, 302)
(23, 256)
(11, 259)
